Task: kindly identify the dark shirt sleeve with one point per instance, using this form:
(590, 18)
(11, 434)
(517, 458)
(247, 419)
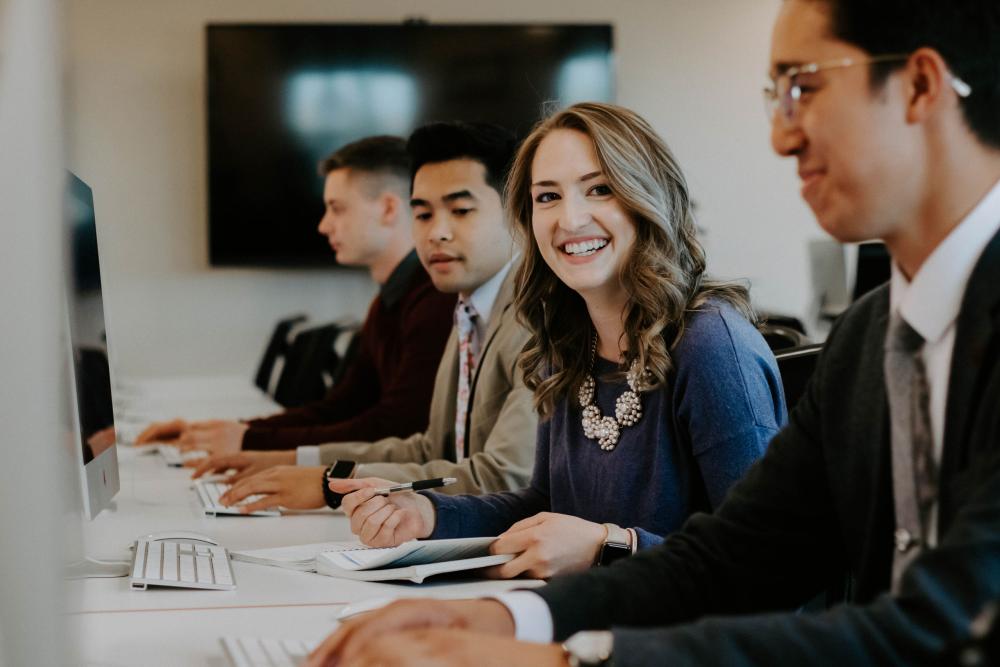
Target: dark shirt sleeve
(728, 402)
(358, 409)
(941, 594)
(492, 514)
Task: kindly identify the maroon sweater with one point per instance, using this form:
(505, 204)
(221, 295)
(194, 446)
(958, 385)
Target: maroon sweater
(387, 390)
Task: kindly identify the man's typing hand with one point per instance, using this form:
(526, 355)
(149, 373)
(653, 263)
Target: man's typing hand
(357, 639)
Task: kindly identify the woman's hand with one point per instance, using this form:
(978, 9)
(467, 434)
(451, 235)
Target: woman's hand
(548, 544)
(384, 521)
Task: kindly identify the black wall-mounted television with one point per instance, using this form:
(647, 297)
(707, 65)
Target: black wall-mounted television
(283, 96)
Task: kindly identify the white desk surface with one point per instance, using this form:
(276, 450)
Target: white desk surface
(165, 626)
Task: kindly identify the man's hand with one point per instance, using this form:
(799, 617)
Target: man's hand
(161, 432)
(245, 464)
(437, 647)
(548, 544)
(215, 437)
(384, 521)
(356, 636)
(292, 487)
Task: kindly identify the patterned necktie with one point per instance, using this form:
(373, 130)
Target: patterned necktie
(914, 472)
(466, 322)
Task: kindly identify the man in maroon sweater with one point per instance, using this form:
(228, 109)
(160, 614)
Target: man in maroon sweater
(387, 390)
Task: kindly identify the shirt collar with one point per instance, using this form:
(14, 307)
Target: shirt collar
(399, 280)
(930, 302)
(484, 297)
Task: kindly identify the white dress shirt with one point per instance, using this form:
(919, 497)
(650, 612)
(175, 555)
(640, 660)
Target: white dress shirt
(482, 299)
(929, 303)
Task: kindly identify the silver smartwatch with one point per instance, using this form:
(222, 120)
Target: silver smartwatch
(590, 648)
(618, 544)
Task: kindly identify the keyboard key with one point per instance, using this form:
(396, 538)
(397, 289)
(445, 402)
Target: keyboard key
(203, 569)
(187, 568)
(154, 560)
(295, 648)
(139, 567)
(276, 653)
(170, 561)
(222, 573)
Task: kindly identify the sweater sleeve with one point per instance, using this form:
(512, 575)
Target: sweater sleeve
(728, 397)
(728, 401)
(492, 514)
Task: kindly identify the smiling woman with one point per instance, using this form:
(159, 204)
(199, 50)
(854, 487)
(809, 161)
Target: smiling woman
(657, 391)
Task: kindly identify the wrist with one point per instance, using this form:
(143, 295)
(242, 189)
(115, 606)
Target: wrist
(490, 616)
(428, 514)
(618, 543)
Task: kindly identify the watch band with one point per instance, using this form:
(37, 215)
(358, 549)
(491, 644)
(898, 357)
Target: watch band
(589, 648)
(617, 544)
(339, 470)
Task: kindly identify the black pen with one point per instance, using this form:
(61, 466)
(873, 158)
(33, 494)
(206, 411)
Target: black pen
(417, 486)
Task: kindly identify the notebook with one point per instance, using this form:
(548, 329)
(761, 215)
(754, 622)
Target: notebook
(301, 557)
(414, 561)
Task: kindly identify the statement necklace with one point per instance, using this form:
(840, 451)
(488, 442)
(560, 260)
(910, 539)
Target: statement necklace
(628, 407)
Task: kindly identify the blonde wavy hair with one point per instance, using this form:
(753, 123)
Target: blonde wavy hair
(664, 276)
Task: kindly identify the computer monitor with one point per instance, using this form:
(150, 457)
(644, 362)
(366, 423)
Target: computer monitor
(97, 457)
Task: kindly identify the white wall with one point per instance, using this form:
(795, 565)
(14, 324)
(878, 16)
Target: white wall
(135, 75)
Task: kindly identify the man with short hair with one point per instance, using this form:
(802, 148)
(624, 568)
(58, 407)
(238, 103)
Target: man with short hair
(482, 418)
(386, 390)
(889, 469)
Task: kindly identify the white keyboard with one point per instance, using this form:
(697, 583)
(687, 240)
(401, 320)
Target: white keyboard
(175, 458)
(259, 652)
(209, 492)
(181, 564)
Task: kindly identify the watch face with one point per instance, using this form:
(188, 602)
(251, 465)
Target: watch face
(611, 552)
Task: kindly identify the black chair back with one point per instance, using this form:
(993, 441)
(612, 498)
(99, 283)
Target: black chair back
(306, 369)
(796, 366)
(276, 349)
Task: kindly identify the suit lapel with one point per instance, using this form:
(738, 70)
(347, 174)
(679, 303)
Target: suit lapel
(973, 359)
(501, 305)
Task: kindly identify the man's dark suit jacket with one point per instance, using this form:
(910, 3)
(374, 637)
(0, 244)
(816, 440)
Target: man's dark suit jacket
(820, 501)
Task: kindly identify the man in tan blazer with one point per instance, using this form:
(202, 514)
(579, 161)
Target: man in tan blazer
(482, 429)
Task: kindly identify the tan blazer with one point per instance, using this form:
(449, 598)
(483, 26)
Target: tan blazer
(500, 445)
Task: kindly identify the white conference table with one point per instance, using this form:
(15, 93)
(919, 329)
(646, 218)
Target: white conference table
(114, 625)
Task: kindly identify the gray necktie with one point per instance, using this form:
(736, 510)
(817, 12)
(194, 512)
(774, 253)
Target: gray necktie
(914, 472)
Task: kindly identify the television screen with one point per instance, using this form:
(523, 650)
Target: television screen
(282, 97)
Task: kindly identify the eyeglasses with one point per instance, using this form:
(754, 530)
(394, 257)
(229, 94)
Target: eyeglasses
(785, 91)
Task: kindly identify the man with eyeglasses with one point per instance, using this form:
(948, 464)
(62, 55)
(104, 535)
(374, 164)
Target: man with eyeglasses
(889, 469)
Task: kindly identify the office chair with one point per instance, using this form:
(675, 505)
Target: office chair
(276, 349)
(874, 268)
(782, 331)
(349, 340)
(796, 366)
(306, 369)
(780, 337)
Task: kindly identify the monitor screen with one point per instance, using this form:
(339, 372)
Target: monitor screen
(92, 377)
(283, 97)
